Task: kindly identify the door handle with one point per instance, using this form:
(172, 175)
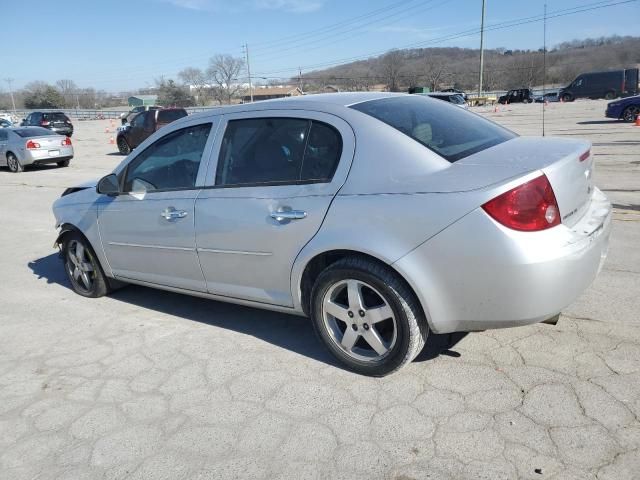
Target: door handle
(171, 213)
(283, 216)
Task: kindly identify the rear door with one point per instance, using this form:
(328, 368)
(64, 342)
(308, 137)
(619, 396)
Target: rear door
(276, 175)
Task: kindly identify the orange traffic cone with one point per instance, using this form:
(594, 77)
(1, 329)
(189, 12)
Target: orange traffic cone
(495, 109)
(111, 141)
(637, 121)
(106, 130)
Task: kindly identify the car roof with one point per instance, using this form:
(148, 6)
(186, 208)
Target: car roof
(328, 100)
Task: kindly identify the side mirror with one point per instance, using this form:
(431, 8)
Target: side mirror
(108, 185)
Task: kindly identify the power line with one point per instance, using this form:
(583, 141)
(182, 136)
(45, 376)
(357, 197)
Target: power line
(467, 33)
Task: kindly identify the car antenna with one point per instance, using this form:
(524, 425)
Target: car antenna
(544, 68)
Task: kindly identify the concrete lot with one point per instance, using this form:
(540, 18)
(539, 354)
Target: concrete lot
(152, 385)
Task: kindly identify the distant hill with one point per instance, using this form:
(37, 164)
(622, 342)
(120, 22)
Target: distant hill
(439, 68)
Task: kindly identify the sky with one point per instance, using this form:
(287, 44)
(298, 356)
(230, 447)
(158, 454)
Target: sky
(119, 45)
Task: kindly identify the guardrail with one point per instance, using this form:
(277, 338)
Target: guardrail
(93, 114)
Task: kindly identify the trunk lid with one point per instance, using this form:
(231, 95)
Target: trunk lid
(568, 164)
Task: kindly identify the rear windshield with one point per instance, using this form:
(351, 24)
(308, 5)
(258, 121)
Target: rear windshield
(56, 116)
(167, 116)
(34, 132)
(450, 131)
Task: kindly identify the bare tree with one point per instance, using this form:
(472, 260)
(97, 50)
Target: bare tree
(69, 91)
(223, 75)
(390, 67)
(196, 80)
(434, 71)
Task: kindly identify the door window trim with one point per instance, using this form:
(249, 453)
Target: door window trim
(204, 160)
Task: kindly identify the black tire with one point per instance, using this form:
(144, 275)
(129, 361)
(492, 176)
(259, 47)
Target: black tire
(610, 95)
(123, 146)
(567, 97)
(409, 320)
(631, 113)
(63, 163)
(14, 164)
(99, 283)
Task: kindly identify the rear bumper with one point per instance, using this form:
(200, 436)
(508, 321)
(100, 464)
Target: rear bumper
(477, 274)
(31, 157)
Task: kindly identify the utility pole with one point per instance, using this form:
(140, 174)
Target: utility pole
(481, 51)
(246, 52)
(13, 102)
(544, 68)
(300, 78)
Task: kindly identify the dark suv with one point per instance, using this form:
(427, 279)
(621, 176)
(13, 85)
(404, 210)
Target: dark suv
(143, 125)
(519, 95)
(56, 121)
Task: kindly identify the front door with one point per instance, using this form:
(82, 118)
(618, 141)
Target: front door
(276, 175)
(148, 230)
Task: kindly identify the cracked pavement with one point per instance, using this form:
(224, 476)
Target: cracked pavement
(147, 384)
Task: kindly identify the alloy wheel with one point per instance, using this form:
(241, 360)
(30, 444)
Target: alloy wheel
(13, 163)
(359, 320)
(80, 266)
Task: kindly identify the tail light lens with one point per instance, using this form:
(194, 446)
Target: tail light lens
(529, 207)
(44, 123)
(66, 142)
(31, 145)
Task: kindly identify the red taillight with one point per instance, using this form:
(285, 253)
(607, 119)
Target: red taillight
(31, 145)
(44, 123)
(585, 155)
(66, 142)
(529, 207)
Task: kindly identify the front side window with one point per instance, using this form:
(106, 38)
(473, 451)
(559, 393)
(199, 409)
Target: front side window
(138, 120)
(450, 131)
(170, 163)
(277, 151)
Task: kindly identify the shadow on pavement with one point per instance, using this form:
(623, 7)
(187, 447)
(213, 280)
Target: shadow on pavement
(599, 122)
(292, 332)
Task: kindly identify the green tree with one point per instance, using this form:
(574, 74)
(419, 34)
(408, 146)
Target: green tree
(42, 95)
(171, 94)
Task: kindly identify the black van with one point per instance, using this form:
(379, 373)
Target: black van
(609, 85)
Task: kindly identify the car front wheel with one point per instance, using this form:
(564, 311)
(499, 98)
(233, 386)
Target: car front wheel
(82, 267)
(631, 113)
(123, 146)
(367, 316)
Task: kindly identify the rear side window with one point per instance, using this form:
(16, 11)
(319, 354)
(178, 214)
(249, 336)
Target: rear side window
(447, 130)
(34, 132)
(168, 116)
(277, 151)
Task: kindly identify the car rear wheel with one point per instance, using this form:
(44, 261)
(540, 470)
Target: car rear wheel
(631, 113)
(567, 97)
(14, 164)
(610, 95)
(367, 316)
(82, 267)
(63, 163)
(123, 146)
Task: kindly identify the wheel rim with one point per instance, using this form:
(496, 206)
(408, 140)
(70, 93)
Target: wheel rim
(80, 266)
(13, 163)
(631, 113)
(359, 320)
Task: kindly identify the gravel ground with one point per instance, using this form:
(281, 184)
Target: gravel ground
(146, 384)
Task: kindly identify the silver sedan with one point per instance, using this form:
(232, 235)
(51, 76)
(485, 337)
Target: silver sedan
(382, 217)
(24, 146)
